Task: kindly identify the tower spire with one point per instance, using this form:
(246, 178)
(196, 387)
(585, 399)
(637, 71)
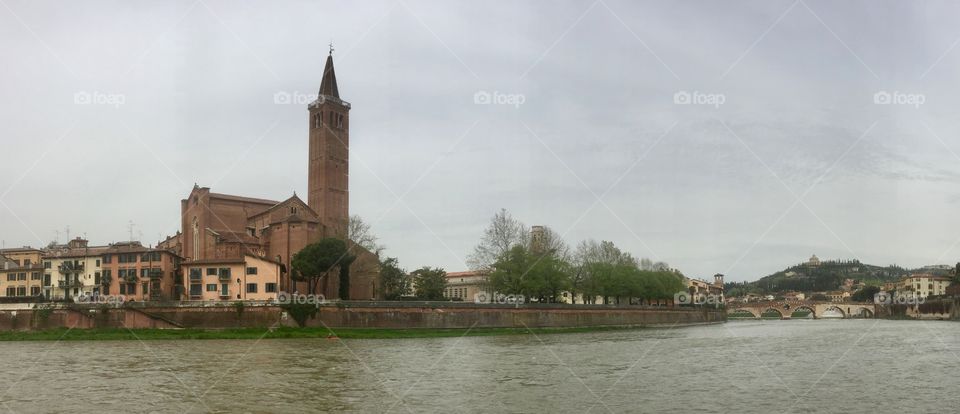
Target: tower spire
(328, 86)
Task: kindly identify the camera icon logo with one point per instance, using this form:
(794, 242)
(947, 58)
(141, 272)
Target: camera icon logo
(682, 298)
(482, 98)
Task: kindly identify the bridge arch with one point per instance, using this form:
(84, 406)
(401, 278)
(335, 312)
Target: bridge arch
(770, 310)
(742, 313)
(835, 308)
(800, 308)
(863, 312)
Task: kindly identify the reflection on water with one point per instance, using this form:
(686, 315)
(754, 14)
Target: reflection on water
(802, 366)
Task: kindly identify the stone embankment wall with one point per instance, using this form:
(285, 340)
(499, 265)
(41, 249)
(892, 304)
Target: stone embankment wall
(413, 315)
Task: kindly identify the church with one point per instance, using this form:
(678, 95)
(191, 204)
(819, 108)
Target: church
(250, 239)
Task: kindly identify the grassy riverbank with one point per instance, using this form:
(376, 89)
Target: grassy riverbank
(111, 334)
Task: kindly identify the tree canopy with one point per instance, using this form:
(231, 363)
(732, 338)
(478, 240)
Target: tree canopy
(429, 282)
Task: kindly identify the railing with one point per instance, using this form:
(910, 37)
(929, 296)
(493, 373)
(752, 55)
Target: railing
(69, 267)
(154, 274)
(64, 283)
(224, 277)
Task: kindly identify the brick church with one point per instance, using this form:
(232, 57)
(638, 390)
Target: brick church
(223, 232)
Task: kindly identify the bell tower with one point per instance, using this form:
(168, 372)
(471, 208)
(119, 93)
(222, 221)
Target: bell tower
(329, 153)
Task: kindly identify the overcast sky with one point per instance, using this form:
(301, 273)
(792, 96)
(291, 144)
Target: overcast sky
(111, 111)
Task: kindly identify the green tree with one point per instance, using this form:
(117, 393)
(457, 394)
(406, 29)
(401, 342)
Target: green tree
(396, 282)
(865, 295)
(430, 282)
(543, 277)
(318, 260)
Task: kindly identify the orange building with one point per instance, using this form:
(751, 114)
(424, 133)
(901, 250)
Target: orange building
(247, 278)
(138, 272)
(21, 273)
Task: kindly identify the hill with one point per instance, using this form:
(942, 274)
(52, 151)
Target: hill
(820, 276)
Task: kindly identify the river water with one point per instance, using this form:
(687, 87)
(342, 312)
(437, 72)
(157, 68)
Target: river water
(797, 366)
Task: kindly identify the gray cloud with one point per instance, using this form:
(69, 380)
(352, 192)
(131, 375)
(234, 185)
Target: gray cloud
(199, 79)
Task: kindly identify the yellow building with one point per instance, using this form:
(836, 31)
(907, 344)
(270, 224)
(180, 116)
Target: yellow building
(249, 278)
(72, 270)
(924, 284)
(21, 277)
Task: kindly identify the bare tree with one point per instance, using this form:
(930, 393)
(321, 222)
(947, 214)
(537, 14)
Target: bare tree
(554, 244)
(359, 232)
(501, 235)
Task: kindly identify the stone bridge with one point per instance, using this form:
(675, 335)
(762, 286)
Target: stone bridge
(817, 309)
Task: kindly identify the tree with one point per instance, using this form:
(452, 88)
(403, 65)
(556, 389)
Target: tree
(500, 236)
(317, 260)
(866, 294)
(396, 282)
(543, 276)
(360, 233)
(430, 282)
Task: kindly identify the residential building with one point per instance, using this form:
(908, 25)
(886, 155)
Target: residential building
(139, 273)
(924, 284)
(72, 270)
(20, 278)
(247, 278)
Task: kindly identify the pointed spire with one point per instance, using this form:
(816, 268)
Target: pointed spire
(328, 86)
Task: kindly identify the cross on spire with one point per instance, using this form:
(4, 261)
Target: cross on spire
(331, 47)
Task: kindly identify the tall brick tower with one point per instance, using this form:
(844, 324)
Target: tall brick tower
(329, 170)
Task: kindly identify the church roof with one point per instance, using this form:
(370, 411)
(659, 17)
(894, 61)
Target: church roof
(243, 199)
(295, 198)
(328, 86)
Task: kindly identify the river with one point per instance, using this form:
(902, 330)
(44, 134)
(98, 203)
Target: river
(796, 366)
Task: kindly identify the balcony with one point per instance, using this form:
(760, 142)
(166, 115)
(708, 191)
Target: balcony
(154, 273)
(70, 267)
(224, 277)
(69, 284)
(130, 278)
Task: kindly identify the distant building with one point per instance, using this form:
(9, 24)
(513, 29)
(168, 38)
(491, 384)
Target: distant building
(247, 278)
(466, 285)
(924, 284)
(72, 270)
(21, 272)
(814, 261)
(794, 296)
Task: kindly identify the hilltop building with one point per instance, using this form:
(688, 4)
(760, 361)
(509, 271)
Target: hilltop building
(233, 235)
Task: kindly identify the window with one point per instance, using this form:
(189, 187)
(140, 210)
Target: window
(96, 278)
(251, 288)
(34, 290)
(11, 277)
(251, 270)
(145, 288)
(224, 289)
(11, 291)
(211, 271)
(224, 272)
(123, 288)
(270, 288)
(22, 291)
(47, 265)
(98, 262)
(196, 289)
(131, 288)
(26, 262)
(211, 287)
(107, 258)
(35, 276)
(196, 274)
(21, 276)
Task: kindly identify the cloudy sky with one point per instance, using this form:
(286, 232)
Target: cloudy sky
(736, 137)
